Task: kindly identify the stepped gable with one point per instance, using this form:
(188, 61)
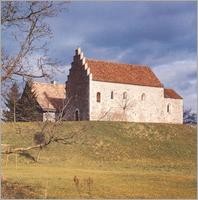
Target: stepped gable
(50, 96)
(133, 74)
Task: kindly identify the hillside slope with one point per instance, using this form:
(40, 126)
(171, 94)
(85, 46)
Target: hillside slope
(125, 160)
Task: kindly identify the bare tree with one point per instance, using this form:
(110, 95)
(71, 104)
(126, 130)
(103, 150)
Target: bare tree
(119, 111)
(24, 23)
(46, 134)
(126, 105)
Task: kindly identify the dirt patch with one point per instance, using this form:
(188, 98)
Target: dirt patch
(14, 190)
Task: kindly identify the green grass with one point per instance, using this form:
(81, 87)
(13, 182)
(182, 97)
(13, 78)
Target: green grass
(125, 160)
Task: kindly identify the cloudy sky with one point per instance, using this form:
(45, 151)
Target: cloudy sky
(161, 35)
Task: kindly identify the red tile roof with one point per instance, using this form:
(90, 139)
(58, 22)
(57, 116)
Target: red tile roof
(49, 96)
(123, 73)
(169, 93)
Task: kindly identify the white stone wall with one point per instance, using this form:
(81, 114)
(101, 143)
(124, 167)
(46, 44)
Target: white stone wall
(175, 115)
(151, 109)
(49, 116)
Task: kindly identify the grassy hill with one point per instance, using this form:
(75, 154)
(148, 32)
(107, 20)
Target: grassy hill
(122, 160)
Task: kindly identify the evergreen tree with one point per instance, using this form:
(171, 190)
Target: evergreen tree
(189, 117)
(11, 102)
(29, 109)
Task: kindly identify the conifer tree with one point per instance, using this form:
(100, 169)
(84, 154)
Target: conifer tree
(11, 102)
(189, 117)
(29, 109)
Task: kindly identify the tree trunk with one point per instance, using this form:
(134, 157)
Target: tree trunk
(14, 112)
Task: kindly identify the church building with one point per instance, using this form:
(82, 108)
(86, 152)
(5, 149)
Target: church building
(108, 91)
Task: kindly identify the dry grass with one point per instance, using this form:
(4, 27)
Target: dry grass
(124, 160)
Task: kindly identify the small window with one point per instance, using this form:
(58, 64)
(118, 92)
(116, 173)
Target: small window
(124, 95)
(111, 94)
(143, 96)
(77, 115)
(98, 97)
(168, 108)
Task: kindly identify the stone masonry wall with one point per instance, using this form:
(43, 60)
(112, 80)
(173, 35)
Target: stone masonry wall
(176, 111)
(152, 108)
(49, 116)
(77, 89)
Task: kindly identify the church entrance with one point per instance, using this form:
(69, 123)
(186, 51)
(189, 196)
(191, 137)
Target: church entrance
(77, 115)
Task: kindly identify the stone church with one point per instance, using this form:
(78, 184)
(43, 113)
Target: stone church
(108, 91)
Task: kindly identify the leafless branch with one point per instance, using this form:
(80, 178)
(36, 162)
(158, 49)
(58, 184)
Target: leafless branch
(63, 140)
(25, 21)
(16, 150)
(50, 131)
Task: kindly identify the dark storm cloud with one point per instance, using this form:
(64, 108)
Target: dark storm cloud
(140, 29)
(159, 34)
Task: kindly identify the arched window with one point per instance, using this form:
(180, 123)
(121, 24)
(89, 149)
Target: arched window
(98, 97)
(111, 94)
(77, 115)
(143, 96)
(124, 95)
(168, 108)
